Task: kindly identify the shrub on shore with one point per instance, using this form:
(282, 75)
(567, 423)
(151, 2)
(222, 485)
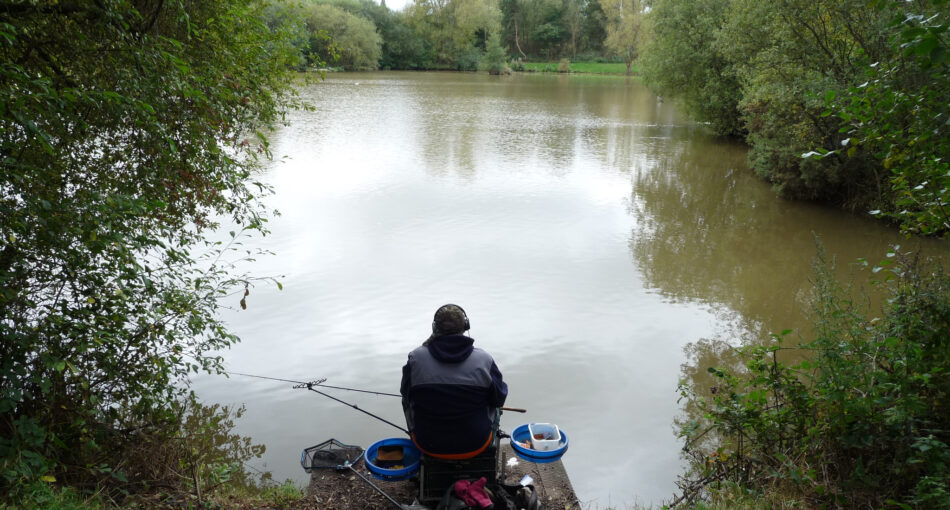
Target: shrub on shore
(861, 421)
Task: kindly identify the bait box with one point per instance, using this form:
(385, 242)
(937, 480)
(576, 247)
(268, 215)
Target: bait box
(550, 433)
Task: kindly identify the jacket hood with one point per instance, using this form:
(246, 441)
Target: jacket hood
(451, 348)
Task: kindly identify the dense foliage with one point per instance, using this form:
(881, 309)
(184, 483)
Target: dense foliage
(494, 61)
(861, 422)
(456, 31)
(840, 101)
(683, 59)
(341, 37)
(625, 28)
(128, 130)
(898, 116)
(452, 34)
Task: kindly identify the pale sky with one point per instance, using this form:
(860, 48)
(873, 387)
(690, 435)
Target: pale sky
(396, 4)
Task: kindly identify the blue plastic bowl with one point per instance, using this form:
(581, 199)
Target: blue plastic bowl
(522, 434)
(410, 457)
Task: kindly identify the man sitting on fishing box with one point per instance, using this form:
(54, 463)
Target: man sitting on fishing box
(451, 390)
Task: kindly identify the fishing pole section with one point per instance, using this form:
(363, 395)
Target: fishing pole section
(318, 382)
(321, 384)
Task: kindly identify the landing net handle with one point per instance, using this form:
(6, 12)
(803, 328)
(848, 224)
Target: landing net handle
(330, 454)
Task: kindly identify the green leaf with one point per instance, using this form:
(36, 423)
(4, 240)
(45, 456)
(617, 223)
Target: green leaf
(926, 45)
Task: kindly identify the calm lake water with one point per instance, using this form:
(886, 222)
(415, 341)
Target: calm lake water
(591, 231)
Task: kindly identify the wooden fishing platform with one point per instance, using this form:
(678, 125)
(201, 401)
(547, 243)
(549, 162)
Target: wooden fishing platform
(343, 490)
(551, 480)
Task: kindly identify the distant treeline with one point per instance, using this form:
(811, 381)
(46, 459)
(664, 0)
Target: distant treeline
(443, 34)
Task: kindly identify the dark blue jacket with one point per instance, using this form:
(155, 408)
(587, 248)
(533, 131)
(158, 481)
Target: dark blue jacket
(450, 391)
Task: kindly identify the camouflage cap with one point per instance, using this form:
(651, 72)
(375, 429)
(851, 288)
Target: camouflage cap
(450, 320)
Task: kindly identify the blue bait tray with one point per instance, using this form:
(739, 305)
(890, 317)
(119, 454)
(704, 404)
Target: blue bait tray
(410, 457)
(522, 434)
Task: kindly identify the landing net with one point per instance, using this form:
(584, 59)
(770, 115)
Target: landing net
(330, 454)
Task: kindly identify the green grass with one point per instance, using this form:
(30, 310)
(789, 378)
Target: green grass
(45, 496)
(581, 67)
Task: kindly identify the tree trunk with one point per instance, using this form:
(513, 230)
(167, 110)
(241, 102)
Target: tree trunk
(517, 45)
(573, 41)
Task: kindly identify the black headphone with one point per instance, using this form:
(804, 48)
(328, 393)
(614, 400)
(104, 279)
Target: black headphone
(435, 327)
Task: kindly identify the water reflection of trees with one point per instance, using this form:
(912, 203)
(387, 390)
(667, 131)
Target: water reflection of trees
(549, 122)
(708, 231)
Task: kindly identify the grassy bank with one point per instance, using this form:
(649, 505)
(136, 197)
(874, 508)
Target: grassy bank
(43, 495)
(580, 67)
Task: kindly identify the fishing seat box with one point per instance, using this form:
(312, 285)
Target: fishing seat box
(437, 475)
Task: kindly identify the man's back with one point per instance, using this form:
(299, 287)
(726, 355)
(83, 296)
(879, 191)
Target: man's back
(451, 390)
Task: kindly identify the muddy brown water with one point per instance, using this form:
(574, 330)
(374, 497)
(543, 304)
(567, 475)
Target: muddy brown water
(591, 231)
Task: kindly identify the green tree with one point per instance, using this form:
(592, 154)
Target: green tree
(512, 21)
(353, 41)
(535, 27)
(544, 27)
(572, 17)
(625, 28)
(682, 60)
(456, 30)
(898, 113)
(593, 27)
(788, 55)
(475, 18)
(128, 131)
(402, 48)
(495, 60)
(431, 19)
(763, 69)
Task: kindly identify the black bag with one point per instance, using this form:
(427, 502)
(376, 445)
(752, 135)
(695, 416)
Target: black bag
(514, 497)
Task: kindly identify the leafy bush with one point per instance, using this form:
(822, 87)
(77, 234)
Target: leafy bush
(341, 38)
(684, 60)
(896, 116)
(127, 136)
(469, 59)
(840, 101)
(493, 60)
(862, 421)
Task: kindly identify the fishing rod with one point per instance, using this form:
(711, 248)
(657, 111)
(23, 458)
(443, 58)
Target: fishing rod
(315, 383)
(318, 382)
(322, 385)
